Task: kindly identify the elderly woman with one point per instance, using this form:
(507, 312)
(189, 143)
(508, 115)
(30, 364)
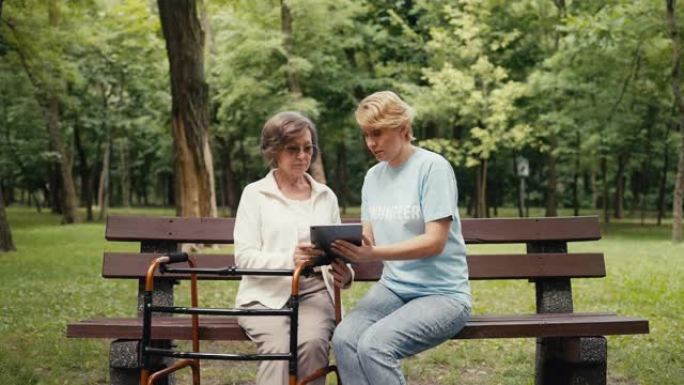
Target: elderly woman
(411, 223)
(272, 232)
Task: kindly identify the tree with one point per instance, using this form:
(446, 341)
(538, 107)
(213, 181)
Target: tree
(118, 105)
(469, 90)
(47, 75)
(6, 243)
(676, 91)
(184, 37)
(598, 94)
(300, 56)
(293, 83)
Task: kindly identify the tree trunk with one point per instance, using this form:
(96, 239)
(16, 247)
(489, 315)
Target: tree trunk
(38, 202)
(125, 179)
(6, 243)
(48, 100)
(619, 196)
(575, 177)
(70, 205)
(342, 176)
(317, 171)
(481, 190)
(190, 108)
(644, 180)
(103, 191)
(605, 198)
(636, 185)
(492, 194)
(231, 189)
(55, 186)
(23, 170)
(294, 86)
(85, 173)
(104, 149)
(51, 110)
(242, 156)
(288, 43)
(676, 90)
(678, 195)
(551, 179)
(171, 193)
(595, 196)
(663, 177)
(552, 172)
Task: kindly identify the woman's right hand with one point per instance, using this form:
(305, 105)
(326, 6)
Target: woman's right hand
(358, 254)
(305, 252)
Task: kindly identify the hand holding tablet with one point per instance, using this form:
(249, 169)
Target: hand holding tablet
(324, 235)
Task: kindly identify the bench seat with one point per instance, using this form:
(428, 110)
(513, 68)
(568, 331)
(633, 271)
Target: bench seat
(479, 326)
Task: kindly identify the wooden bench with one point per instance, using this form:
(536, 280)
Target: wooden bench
(571, 347)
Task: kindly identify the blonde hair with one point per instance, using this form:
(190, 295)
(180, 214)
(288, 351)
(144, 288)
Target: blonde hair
(282, 129)
(385, 110)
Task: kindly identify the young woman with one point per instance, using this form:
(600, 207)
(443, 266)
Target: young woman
(272, 231)
(411, 223)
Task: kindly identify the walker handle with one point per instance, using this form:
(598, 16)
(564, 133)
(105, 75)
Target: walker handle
(177, 256)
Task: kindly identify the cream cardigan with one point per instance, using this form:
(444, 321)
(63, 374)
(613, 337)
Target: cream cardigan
(266, 236)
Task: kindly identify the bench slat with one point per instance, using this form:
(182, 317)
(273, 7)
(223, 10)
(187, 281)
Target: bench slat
(523, 230)
(180, 229)
(220, 230)
(492, 266)
(481, 326)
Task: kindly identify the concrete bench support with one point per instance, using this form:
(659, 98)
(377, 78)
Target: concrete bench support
(565, 361)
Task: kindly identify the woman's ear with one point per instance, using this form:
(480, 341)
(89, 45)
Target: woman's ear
(406, 132)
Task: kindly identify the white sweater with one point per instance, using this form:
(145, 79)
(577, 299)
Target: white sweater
(266, 236)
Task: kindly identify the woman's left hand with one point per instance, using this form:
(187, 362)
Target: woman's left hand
(305, 253)
(341, 273)
(363, 253)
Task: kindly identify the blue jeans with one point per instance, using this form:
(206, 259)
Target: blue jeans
(383, 329)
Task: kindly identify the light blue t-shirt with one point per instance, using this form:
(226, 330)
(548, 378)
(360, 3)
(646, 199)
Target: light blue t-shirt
(398, 201)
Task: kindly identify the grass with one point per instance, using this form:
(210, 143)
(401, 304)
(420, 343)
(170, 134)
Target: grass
(54, 278)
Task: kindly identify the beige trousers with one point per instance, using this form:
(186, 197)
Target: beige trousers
(272, 335)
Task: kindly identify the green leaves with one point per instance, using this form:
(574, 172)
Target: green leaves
(467, 85)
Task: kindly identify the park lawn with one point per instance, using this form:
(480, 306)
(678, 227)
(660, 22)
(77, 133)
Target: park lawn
(55, 278)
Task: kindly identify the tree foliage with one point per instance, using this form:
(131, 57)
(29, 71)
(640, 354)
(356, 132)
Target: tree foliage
(581, 89)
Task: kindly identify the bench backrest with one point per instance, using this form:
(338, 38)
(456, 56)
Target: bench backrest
(220, 230)
(546, 240)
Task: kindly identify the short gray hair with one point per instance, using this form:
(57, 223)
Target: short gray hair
(281, 129)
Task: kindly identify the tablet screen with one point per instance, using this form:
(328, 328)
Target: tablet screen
(324, 235)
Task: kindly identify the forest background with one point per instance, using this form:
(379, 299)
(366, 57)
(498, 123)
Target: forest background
(586, 92)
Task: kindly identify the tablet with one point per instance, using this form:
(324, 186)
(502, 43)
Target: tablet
(324, 235)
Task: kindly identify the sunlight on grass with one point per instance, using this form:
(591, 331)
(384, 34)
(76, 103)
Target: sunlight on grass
(55, 278)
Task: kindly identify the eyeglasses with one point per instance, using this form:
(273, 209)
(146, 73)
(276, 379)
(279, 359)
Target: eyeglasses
(295, 150)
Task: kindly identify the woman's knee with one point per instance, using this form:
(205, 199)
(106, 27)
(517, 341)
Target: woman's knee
(368, 347)
(343, 335)
(314, 345)
(280, 344)
(371, 349)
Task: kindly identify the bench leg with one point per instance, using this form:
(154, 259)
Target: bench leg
(123, 363)
(571, 361)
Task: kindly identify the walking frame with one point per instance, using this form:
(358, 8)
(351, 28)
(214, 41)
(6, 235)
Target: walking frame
(192, 359)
